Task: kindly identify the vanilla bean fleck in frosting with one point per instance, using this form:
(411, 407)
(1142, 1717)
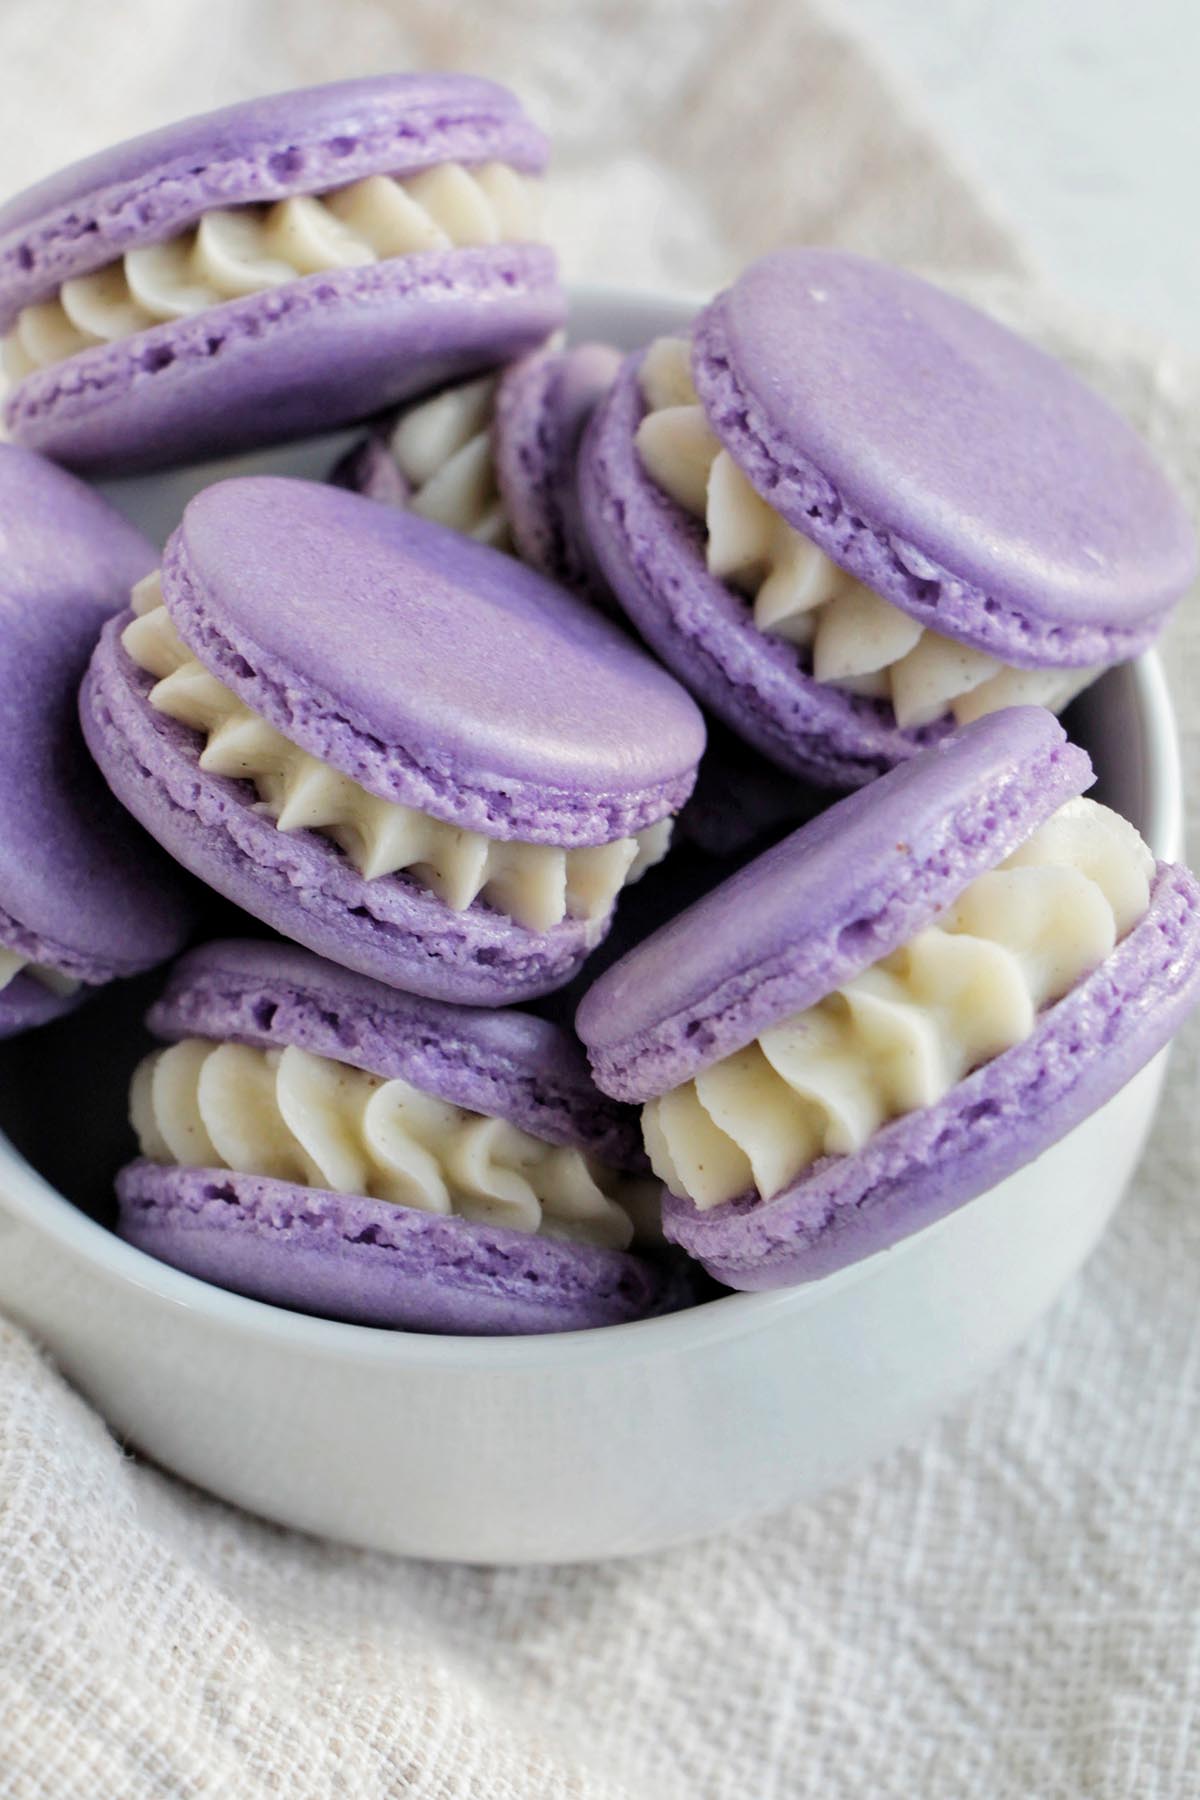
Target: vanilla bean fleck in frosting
(293, 1116)
(537, 885)
(443, 449)
(900, 1035)
(235, 251)
(859, 641)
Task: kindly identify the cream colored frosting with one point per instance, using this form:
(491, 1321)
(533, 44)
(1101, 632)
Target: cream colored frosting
(859, 641)
(538, 885)
(302, 1118)
(904, 1032)
(242, 250)
(12, 965)
(443, 448)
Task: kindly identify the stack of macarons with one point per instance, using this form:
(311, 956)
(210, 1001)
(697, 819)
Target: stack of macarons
(426, 725)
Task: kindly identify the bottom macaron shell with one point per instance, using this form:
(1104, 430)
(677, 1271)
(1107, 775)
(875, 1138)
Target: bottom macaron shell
(299, 882)
(926, 1164)
(652, 555)
(369, 1263)
(317, 352)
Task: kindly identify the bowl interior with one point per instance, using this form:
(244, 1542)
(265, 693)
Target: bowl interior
(85, 1060)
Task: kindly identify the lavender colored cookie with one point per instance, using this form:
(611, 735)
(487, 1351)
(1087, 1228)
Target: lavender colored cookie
(496, 457)
(897, 1006)
(84, 897)
(395, 746)
(507, 1184)
(850, 511)
(272, 270)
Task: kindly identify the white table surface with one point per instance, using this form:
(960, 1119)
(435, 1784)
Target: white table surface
(1083, 117)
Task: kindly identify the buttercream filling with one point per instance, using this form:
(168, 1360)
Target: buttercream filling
(234, 251)
(537, 885)
(857, 640)
(443, 449)
(296, 1117)
(12, 965)
(904, 1032)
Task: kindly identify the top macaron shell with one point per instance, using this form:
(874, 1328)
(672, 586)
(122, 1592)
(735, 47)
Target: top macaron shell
(826, 902)
(318, 351)
(506, 1064)
(431, 669)
(652, 557)
(963, 474)
(301, 142)
(80, 887)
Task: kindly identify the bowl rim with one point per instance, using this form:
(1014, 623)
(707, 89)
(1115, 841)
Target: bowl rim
(28, 1196)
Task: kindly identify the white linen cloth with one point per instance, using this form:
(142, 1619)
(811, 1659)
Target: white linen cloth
(1008, 1608)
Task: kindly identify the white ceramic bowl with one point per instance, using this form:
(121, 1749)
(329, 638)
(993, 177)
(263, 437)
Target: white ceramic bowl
(585, 1445)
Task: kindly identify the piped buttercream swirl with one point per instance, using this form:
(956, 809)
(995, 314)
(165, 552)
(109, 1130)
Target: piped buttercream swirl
(234, 251)
(537, 885)
(904, 1032)
(443, 449)
(858, 641)
(292, 1116)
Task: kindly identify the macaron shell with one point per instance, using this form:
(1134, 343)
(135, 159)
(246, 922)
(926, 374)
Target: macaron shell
(306, 141)
(825, 903)
(507, 1064)
(298, 882)
(543, 404)
(79, 885)
(347, 1257)
(652, 557)
(469, 686)
(952, 466)
(318, 352)
(924, 1165)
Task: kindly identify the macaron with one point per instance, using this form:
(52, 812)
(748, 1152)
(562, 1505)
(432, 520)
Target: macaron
(396, 746)
(850, 511)
(312, 1138)
(84, 896)
(274, 269)
(897, 1006)
(496, 457)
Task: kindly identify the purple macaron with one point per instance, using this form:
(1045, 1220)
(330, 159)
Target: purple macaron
(496, 457)
(396, 746)
(275, 269)
(84, 897)
(850, 511)
(897, 1006)
(315, 1139)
